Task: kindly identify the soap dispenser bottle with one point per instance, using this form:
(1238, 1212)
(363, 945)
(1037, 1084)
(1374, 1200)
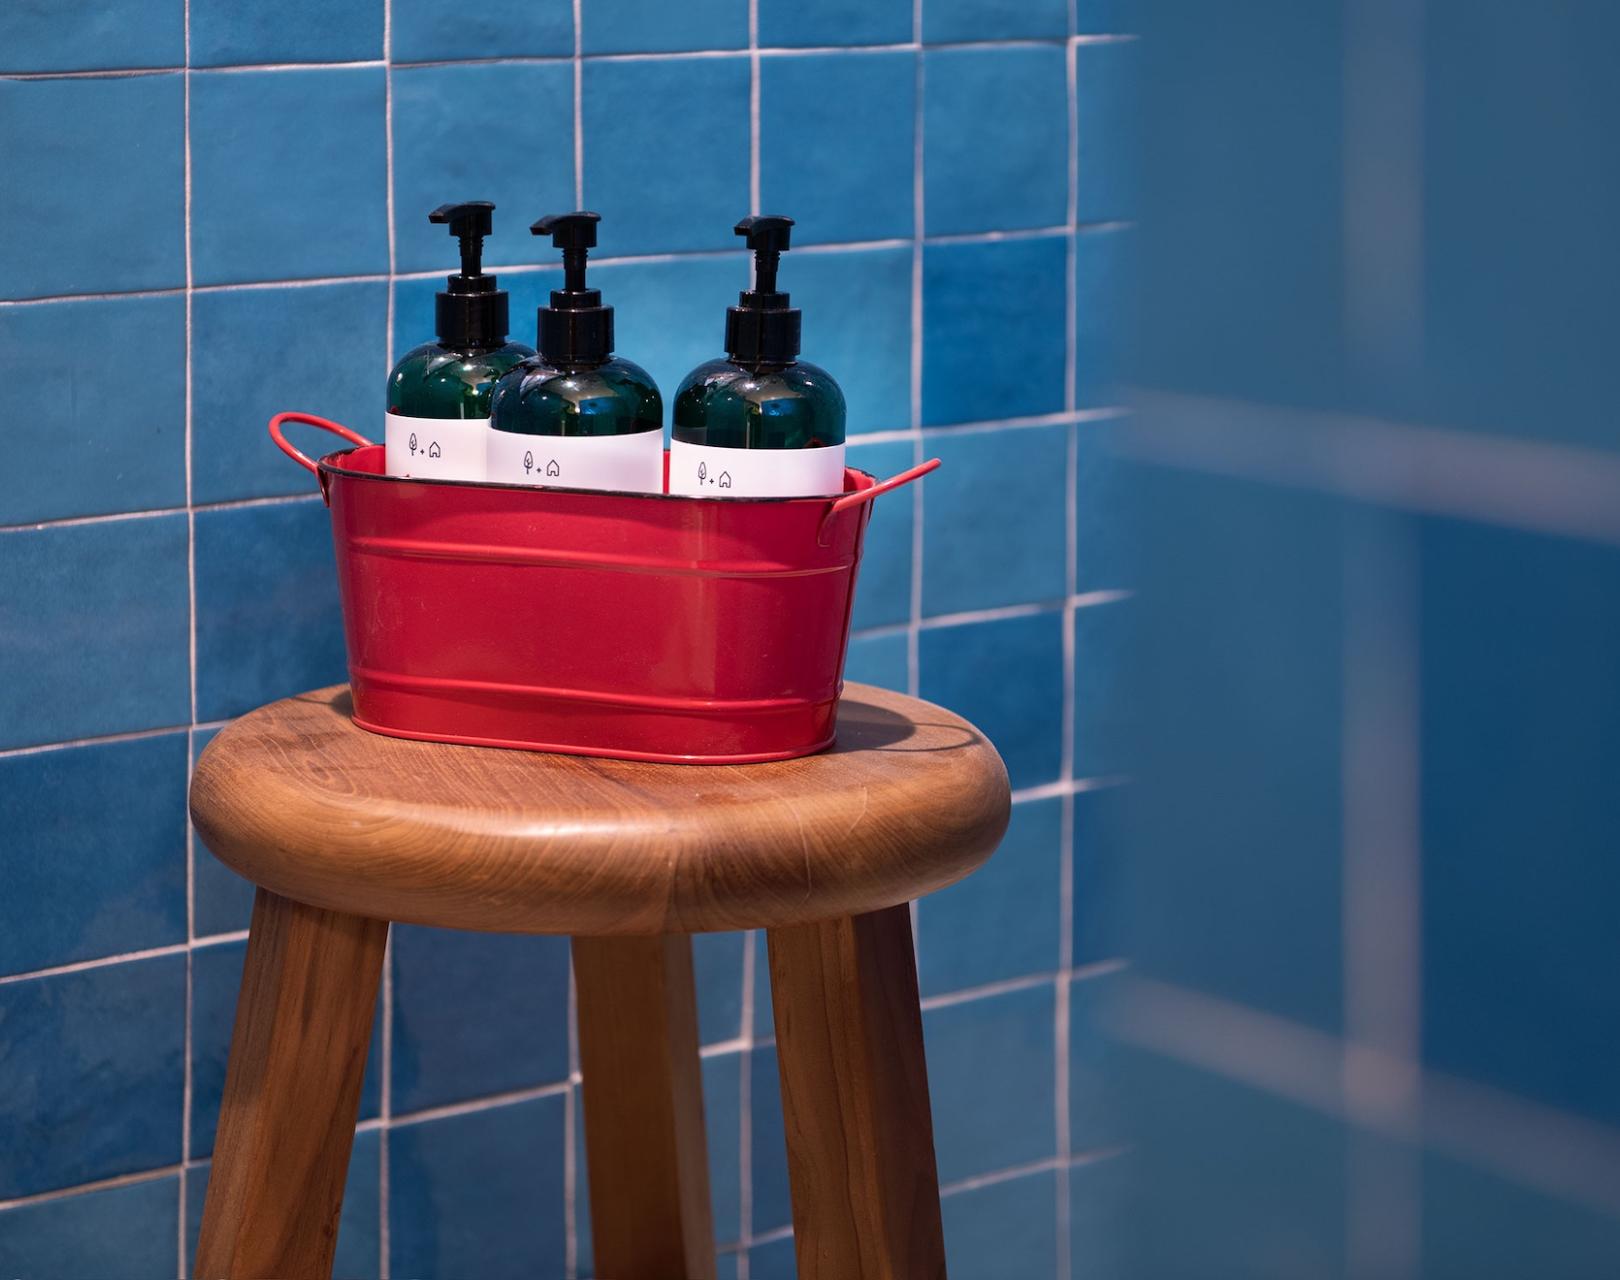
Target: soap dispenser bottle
(760, 423)
(439, 392)
(576, 416)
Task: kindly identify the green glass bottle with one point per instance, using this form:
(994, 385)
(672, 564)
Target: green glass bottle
(439, 392)
(576, 416)
(760, 422)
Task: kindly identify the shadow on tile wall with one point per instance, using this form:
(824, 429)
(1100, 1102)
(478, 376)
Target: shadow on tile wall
(162, 569)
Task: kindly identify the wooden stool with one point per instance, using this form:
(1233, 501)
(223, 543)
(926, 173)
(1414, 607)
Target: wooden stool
(344, 831)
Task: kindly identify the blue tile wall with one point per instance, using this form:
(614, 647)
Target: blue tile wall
(94, 861)
(268, 249)
(284, 167)
(129, 1230)
(238, 384)
(104, 650)
(980, 175)
(847, 127)
(77, 140)
(223, 35)
(121, 1023)
(476, 1013)
(479, 1194)
(126, 454)
(431, 106)
(1106, 143)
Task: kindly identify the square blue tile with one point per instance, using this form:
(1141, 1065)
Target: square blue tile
(85, 35)
(722, 1121)
(857, 326)
(666, 152)
(1478, 1225)
(646, 26)
(717, 963)
(1102, 840)
(1004, 1231)
(1103, 635)
(1520, 732)
(1105, 528)
(1005, 676)
(1003, 920)
(93, 1064)
(235, 389)
(226, 34)
(358, 1251)
(94, 860)
(268, 621)
(221, 900)
(668, 317)
(1231, 1182)
(122, 1231)
(106, 646)
(974, 296)
(288, 176)
(1098, 1104)
(1234, 680)
(992, 1119)
(837, 143)
(1107, 81)
(789, 23)
(443, 30)
(883, 581)
(1105, 314)
(476, 1013)
(216, 982)
(431, 108)
(77, 140)
(129, 460)
(479, 1194)
(968, 564)
(958, 21)
(883, 660)
(979, 174)
(773, 1261)
(773, 1202)
(1108, 17)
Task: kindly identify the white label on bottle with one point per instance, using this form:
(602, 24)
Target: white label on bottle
(708, 471)
(435, 448)
(624, 464)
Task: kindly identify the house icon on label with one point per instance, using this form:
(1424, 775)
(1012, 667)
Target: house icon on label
(552, 469)
(433, 450)
(725, 479)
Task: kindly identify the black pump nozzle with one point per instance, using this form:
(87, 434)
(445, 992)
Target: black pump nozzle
(762, 328)
(576, 328)
(471, 312)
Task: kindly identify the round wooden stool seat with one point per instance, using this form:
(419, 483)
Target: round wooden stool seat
(303, 803)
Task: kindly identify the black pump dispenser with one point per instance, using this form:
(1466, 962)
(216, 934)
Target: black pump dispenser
(472, 312)
(762, 328)
(576, 329)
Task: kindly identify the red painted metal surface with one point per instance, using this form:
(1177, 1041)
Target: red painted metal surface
(648, 627)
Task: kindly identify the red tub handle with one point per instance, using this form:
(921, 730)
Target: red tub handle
(303, 459)
(881, 487)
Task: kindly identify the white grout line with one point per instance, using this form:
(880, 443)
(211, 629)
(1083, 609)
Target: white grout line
(579, 106)
(85, 1188)
(386, 1066)
(187, 1084)
(745, 1108)
(83, 966)
(918, 227)
(473, 1106)
(571, 1120)
(753, 107)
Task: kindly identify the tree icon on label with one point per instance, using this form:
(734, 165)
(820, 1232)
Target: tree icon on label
(725, 479)
(434, 450)
(528, 461)
(413, 444)
(552, 469)
(703, 472)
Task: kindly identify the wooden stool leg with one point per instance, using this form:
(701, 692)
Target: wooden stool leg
(286, 1123)
(860, 1135)
(643, 1086)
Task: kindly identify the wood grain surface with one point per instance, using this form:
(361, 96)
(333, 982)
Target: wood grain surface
(643, 1087)
(860, 1136)
(298, 799)
(286, 1123)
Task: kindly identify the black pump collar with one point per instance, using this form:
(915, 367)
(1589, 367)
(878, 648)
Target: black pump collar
(471, 312)
(762, 328)
(576, 329)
